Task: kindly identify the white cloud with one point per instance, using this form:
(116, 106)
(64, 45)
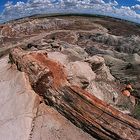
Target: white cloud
(21, 9)
(136, 7)
(114, 3)
(97, 1)
(9, 3)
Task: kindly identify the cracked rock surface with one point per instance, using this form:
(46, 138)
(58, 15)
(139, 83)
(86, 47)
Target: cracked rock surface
(24, 117)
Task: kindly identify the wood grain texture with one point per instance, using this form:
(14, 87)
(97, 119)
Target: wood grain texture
(96, 117)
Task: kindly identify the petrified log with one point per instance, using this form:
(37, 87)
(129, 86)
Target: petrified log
(96, 117)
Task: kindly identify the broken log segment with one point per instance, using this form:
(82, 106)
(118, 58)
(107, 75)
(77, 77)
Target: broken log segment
(96, 117)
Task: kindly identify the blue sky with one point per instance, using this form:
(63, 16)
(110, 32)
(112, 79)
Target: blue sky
(125, 9)
(128, 2)
(3, 2)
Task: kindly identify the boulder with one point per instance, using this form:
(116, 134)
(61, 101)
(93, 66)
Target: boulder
(99, 67)
(72, 55)
(80, 73)
(59, 57)
(75, 53)
(55, 45)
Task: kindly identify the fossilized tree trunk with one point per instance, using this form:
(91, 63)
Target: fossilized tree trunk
(49, 80)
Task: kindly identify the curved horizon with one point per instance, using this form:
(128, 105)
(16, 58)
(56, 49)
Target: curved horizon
(113, 8)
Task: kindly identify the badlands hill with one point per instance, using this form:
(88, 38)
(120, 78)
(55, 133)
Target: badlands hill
(62, 77)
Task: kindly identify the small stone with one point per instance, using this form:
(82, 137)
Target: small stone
(49, 41)
(33, 49)
(55, 45)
